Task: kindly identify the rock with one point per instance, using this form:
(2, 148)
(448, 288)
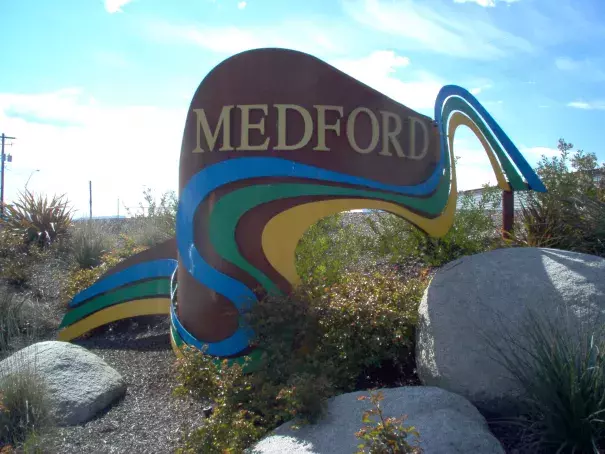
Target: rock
(79, 383)
(446, 422)
(472, 301)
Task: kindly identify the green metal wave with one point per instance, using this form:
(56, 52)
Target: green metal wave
(146, 289)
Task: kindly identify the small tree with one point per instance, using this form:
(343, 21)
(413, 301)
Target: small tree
(571, 214)
(155, 220)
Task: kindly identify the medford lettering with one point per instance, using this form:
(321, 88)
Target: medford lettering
(384, 127)
(322, 126)
(351, 130)
(281, 127)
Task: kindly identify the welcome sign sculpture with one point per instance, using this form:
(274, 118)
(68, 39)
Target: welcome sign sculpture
(274, 141)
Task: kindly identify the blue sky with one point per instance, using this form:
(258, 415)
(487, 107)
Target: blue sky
(98, 90)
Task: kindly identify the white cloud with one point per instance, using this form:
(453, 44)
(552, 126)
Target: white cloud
(588, 69)
(587, 105)
(442, 30)
(567, 64)
(473, 169)
(72, 139)
(486, 3)
(417, 89)
(476, 90)
(115, 6)
(533, 154)
(306, 36)
(241, 5)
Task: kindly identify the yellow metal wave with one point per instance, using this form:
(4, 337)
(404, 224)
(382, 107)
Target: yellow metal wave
(460, 119)
(175, 348)
(147, 306)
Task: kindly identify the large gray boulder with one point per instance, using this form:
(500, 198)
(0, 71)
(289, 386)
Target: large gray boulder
(473, 306)
(78, 382)
(446, 422)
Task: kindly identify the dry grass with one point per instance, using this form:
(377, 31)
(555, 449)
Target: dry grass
(24, 405)
(89, 242)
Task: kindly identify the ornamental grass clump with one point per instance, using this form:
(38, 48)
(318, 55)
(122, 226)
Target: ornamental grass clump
(13, 320)
(25, 408)
(89, 243)
(561, 371)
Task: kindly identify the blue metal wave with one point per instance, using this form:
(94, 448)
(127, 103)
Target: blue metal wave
(138, 272)
(447, 91)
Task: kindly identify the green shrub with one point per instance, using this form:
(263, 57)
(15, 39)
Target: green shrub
(362, 321)
(327, 249)
(562, 372)
(224, 432)
(231, 428)
(78, 280)
(386, 435)
(24, 406)
(38, 219)
(89, 243)
(474, 231)
(314, 343)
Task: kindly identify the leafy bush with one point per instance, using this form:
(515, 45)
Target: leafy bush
(327, 249)
(354, 325)
(38, 219)
(474, 231)
(24, 406)
(314, 343)
(155, 221)
(231, 428)
(78, 280)
(562, 374)
(89, 243)
(387, 435)
(571, 215)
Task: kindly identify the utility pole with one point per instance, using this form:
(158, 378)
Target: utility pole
(90, 196)
(3, 158)
(118, 208)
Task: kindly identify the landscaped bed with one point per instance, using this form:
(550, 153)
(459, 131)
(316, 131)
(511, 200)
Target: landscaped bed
(351, 326)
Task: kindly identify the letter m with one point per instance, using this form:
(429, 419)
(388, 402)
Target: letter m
(224, 122)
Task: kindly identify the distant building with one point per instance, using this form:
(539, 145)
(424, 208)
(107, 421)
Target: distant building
(520, 196)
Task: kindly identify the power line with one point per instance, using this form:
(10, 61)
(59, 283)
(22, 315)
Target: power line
(3, 158)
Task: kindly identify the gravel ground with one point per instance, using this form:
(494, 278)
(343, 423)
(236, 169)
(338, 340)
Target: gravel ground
(148, 419)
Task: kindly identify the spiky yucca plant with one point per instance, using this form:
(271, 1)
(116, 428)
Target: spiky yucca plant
(38, 218)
